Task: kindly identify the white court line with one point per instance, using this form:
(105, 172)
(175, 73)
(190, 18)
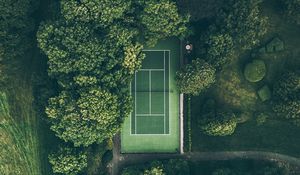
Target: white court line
(135, 103)
(150, 114)
(155, 50)
(150, 92)
(169, 92)
(130, 112)
(151, 69)
(164, 92)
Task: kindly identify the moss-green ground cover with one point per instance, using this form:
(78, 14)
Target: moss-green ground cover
(233, 91)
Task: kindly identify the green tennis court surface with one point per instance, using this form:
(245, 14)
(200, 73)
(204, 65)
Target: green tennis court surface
(153, 125)
(150, 92)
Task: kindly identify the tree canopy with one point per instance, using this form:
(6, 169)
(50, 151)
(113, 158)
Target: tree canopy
(219, 124)
(292, 8)
(161, 20)
(286, 101)
(95, 116)
(219, 49)
(195, 77)
(243, 21)
(93, 49)
(68, 161)
(15, 27)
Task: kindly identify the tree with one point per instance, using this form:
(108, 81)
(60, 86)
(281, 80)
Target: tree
(288, 109)
(16, 26)
(255, 71)
(219, 49)
(220, 124)
(94, 48)
(195, 77)
(99, 12)
(292, 8)
(160, 19)
(68, 161)
(242, 20)
(154, 171)
(287, 86)
(177, 167)
(287, 95)
(95, 116)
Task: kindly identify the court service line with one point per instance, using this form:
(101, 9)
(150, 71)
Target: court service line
(169, 92)
(151, 69)
(150, 93)
(150, 115)
(130, 112)
(135, 104)
(154, 50)
(164, 92)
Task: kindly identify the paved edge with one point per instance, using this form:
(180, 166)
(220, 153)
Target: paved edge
(131, 159)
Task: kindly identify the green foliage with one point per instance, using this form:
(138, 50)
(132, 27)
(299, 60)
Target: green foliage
(172, 167)
(223, 171)
(177, 167)
(97, 44)
(219, 124)
(15, 27)
(242, 20)
(287, 95)
(219, 49)
(68, 161)
(131, 171)
(94, 117)
(264, 93)
(287, 86)
(154, 171)
(293, 10)
(261, 119)
(288, 109)
(161, 19)
(255, 71)
(195, 77)
(99, 12)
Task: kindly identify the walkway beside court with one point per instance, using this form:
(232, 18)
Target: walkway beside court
(131, 159)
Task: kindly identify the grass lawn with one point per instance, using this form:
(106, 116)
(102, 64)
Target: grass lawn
(146, 142)
(233, 92)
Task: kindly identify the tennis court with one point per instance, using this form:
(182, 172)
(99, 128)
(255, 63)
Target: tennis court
(150, 92)
(153, 125)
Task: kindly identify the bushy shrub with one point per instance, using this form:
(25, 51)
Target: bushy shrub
(195, 77)
(243, 21)
(287, 86)
(219, 49)
(261, 119)
(68, 161)
(255, 71)
(264, 93)
(177, 167)
(293, 10)
(221, 124)
(288, 109)
(286, 101)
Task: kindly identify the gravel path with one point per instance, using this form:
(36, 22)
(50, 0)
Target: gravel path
(122, 160)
